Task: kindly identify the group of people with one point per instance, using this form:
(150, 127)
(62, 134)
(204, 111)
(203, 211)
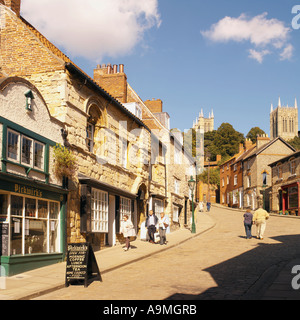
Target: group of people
(259, 218)
(152, 223)
(201, 206)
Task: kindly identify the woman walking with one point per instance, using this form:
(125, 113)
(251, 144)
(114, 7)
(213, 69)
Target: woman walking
(248, 217)
(128, 231)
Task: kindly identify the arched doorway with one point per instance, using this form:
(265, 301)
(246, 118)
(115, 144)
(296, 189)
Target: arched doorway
(142, 205)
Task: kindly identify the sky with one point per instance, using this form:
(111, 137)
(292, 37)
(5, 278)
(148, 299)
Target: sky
(234, 57)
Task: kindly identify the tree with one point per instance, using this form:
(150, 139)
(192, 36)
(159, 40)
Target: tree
(295, 143)
(214, 176)
(253, 133)
(225, 142)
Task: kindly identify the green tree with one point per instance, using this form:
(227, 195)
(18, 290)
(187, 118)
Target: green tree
(253, 133)
(214, 176)
(295, 143)
(225, 142)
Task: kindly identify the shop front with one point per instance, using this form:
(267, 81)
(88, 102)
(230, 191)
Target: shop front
(32, 224)
(290, 198)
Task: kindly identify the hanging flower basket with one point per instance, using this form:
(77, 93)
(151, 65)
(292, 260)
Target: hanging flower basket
(64, 162)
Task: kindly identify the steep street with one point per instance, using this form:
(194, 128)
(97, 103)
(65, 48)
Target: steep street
(219, 264)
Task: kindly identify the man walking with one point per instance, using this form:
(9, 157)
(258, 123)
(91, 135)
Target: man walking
(150, 224)
(260, 216)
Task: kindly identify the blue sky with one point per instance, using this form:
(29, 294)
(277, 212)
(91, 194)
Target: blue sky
(236, 72)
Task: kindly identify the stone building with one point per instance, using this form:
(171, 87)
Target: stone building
(171, 165)
(284, 121)
(111, 144)
(32, 198)
(284, 197)
(256, 170)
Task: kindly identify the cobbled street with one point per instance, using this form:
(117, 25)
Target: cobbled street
(218, 264)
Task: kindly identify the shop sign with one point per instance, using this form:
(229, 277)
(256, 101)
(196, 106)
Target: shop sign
(81, 264)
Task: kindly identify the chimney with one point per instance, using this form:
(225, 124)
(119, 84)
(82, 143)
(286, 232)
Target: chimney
(241, 148)
(261, 140)
(112, 81)
(248, 144)
(14, 5)
(155, 106)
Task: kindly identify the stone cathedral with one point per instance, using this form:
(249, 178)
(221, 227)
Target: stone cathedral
(284, 121)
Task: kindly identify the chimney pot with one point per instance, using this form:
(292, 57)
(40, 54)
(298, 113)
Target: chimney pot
(121, 67)
(115, 68)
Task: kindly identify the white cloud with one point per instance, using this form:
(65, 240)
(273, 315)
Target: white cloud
(93, 28)
(258, 55)
(287, 53)
(265, 34)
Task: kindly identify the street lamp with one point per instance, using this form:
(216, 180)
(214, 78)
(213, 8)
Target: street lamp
(192, 184)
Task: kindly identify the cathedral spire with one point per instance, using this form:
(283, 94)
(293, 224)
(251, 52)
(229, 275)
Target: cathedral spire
(271, 107)
(296, 105)
(279, 103)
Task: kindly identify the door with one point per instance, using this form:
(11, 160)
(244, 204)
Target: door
(112, 221)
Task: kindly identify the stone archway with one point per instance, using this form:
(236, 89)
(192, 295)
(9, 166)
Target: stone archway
(142, 197)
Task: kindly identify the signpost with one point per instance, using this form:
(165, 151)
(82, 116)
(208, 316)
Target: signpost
(81, 264)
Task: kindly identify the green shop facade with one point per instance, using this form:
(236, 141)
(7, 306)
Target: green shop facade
(32, 202)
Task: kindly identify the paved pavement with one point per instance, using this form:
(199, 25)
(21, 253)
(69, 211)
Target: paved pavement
(275, 282)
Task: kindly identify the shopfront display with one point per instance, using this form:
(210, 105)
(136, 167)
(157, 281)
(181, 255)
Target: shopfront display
(31, 224)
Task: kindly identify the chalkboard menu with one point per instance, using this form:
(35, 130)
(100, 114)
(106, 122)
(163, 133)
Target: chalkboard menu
(4, 239)
(81, 264)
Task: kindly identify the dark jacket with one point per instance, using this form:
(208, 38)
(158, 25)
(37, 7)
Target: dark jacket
(148, 218)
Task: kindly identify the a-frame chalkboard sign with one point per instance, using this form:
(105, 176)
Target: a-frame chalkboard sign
(81, 264)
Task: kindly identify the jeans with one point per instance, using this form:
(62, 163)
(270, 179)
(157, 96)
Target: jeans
(248, 227)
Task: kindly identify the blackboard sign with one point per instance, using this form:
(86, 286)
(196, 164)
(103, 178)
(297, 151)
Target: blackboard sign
(81, 264)
(4, 239)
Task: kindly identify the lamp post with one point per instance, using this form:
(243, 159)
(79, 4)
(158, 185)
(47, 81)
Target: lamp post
(192, 184)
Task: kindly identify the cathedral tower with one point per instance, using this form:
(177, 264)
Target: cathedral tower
(284, 121)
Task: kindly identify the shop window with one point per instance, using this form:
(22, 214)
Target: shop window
(99, 208)
(125, 208)
(176, 214)
(34, 225)
(158, 206)
(3, 207)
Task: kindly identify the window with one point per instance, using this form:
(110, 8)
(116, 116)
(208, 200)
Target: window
(235, 167)
(125, 208)
(38, 155)
(99, 211)
(279, 171)
(264, 178)
(124, 152)
(90, 136)
(227, 179)
(12, 145)
(176, 214)
(158, 206)
(248, 181)
(176, 186)
(34, 225)
(293, 166)
(223, 182)
(177, 156)
(235, 179)
(26, 151)
(32, 152)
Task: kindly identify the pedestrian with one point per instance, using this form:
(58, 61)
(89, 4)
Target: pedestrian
(150, 224)
(201, 206)
(128, 231)
(260, 216)
(248, 221)
(208, 205)
(163, 223)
